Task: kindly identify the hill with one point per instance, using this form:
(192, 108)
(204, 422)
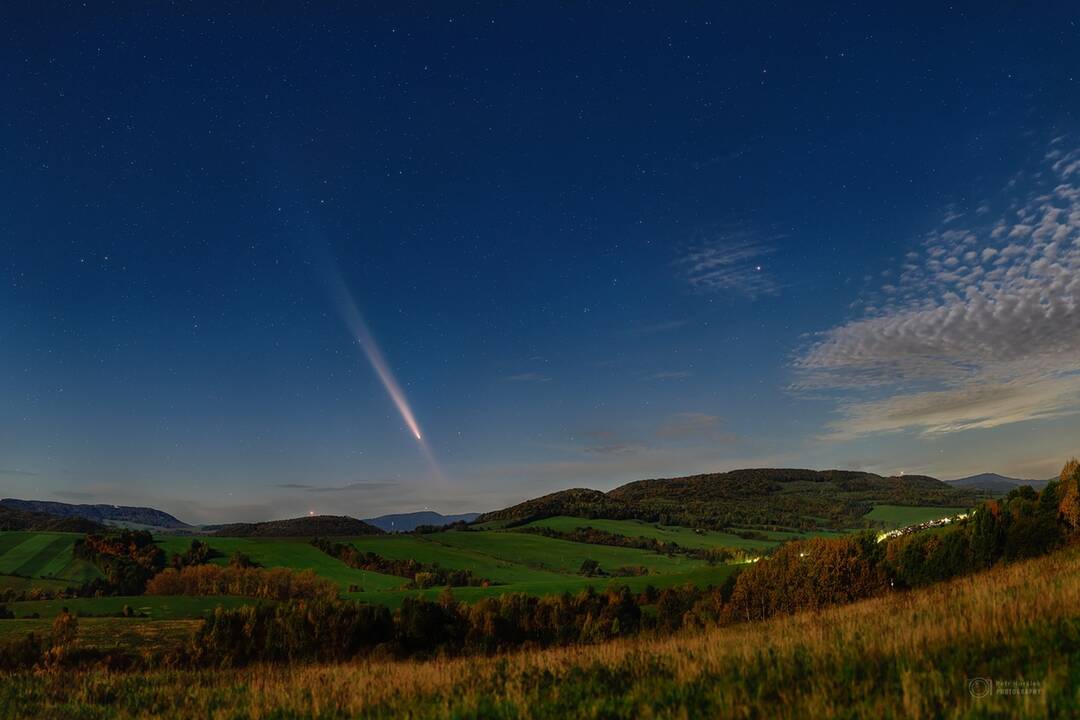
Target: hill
(994, 483)
(104, 514)
(864, 659)
(406, 522)
(579, 502)
(759, 497)
(13, 519)
(307, 526)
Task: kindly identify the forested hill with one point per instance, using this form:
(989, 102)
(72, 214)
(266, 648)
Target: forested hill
(311, 525)
(752, 497)
(15, 519)
(407, 522)
(105, 514)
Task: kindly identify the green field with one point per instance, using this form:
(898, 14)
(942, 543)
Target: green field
(429, 549)
(560, 556)
(128, 633)
(683, 536)
(895, 516)
(512, 560)
(154, 607)
(703, 576)
(296, 553)
(43, 555)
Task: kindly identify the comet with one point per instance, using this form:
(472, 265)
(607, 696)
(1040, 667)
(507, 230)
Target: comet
(358, 328)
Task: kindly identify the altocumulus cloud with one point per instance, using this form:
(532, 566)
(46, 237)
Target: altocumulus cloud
(981, 329)
(723, 261)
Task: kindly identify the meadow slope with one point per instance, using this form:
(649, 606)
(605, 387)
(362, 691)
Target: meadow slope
(910, 655)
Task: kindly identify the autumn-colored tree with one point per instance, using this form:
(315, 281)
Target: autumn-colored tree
(268, 584)
(1069, 492)
(65, 629)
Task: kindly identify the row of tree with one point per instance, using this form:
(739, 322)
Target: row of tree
(803, 575)
(340, 630)
(269, 584)
(420, 575)
(814, 573)
(127, 559)
(595, 536)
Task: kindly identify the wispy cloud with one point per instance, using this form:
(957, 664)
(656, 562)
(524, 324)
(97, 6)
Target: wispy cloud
(17, 472)
(732, 262)
(528, 377)
(670, 375)
(980, 329)
(657, 327)
(76, 495)
(692, 425)
(613, 449)
(350, 487)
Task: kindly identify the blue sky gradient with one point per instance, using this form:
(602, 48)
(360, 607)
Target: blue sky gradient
(593, 245)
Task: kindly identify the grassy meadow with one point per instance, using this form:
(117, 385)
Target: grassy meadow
(295, 553)
(904, 655)
(153, 607)
(513, 560)
(45, 555)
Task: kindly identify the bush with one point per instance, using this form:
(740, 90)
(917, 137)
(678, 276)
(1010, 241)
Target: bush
(272, 584)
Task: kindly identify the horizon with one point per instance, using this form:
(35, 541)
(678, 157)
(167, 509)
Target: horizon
(390, 513)
(366, 261)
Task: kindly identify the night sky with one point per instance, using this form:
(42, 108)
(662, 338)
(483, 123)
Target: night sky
(590, 244)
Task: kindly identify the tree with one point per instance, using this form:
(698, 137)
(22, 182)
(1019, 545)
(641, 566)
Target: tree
(589, 567)
(987, 534)
(65, 629)
(1069, 492)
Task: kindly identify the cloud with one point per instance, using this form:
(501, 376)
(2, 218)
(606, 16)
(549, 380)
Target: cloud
(671, 375)
(76, 495)
(528, 377)
(350, 487)
(692, 425)
(19, 473)
(981, 330)
(613, 449)
(659, 327)
(729, 262)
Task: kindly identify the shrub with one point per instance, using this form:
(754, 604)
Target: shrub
(271, 584)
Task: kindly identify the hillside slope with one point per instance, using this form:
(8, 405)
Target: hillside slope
(104, 514)
(407, 522)
(902, 655)
(994, 483)
(307, 526)
(780, 497)
(13, 519)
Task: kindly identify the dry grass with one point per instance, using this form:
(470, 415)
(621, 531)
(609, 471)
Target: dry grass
(906, 655)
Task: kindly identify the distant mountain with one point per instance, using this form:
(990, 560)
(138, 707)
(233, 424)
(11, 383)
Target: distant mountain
(406, 522)
(756, 497)
(13, 519)
(307, 526)
(104, 514)
(994, 483)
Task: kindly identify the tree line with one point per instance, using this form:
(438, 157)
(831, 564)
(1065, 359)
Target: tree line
(421, 575)
(127, 559)
(262, 583)
(595, 536)
(802, 575)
